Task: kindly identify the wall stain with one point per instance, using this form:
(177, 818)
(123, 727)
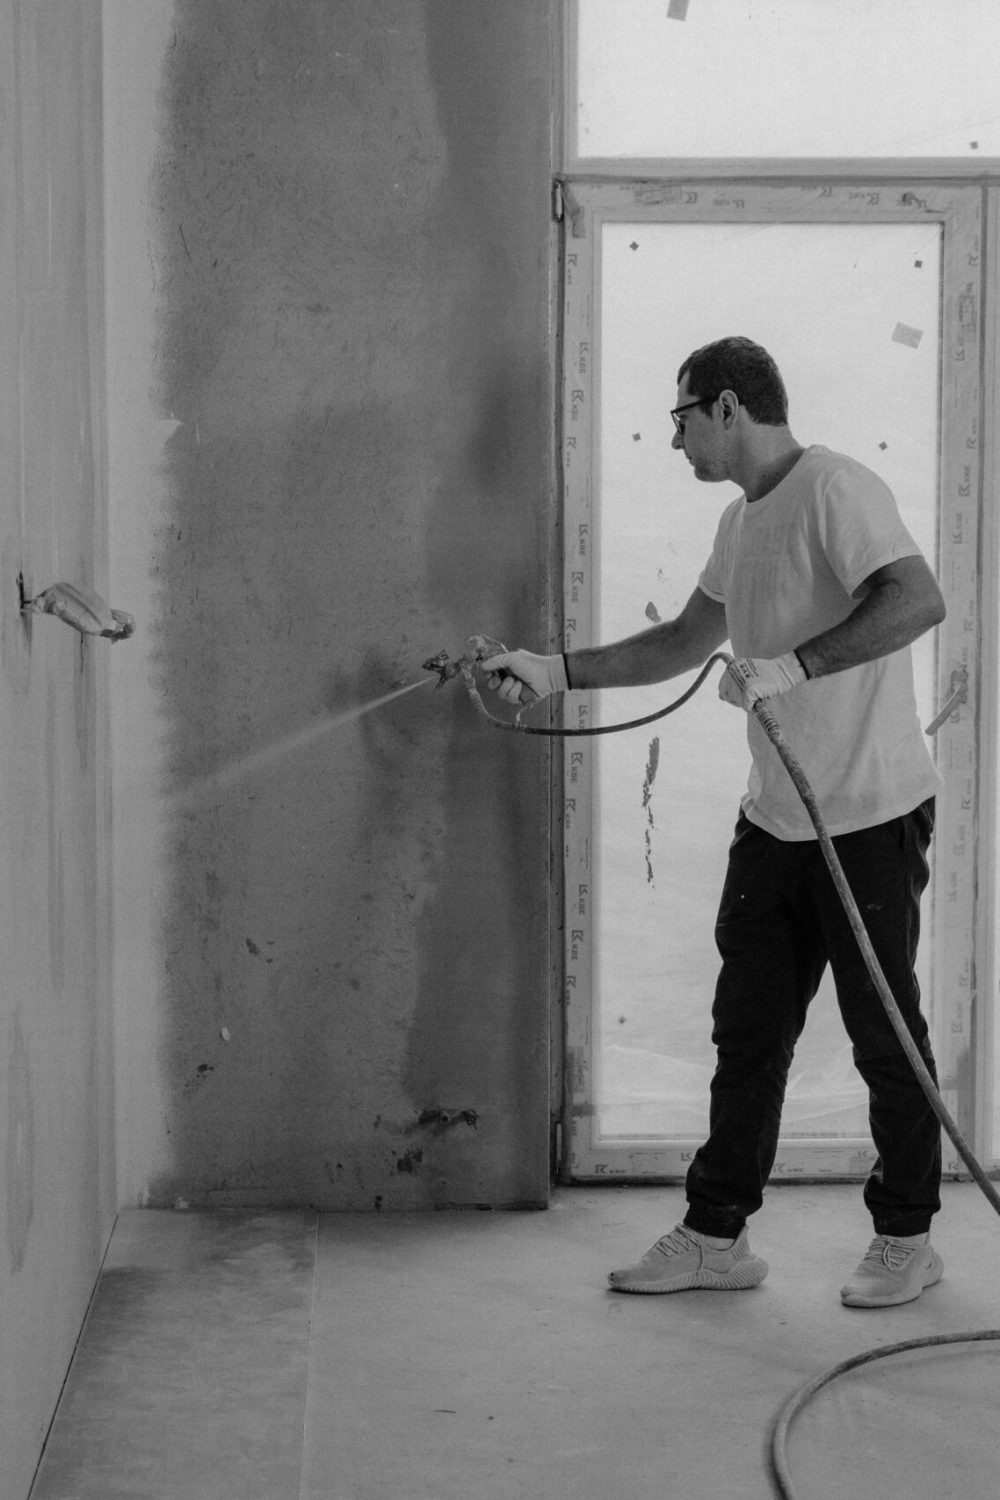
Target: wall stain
(652, 766)
(257, 952)
(15, 628)
(20, 1163)
(56, 863)
(444, 1119)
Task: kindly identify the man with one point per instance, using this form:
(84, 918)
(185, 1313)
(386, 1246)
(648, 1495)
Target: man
(821, 590)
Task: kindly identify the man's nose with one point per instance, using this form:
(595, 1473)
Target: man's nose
(678, 440)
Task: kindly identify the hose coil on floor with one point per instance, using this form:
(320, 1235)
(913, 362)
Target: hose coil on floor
(797, 1402)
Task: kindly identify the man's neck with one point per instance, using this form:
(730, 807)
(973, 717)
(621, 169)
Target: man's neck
(762, 467)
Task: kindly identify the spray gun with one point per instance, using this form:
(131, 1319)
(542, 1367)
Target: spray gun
(481, 648)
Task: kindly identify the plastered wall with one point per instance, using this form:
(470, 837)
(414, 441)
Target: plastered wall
(330, 408)
(57, 1173)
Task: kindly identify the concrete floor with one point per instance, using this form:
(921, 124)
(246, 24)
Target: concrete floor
(296, 1356)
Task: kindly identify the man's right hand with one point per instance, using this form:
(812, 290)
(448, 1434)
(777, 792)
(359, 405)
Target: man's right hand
(521, 677)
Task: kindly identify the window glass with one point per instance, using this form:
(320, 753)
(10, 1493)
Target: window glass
(792, 78)
(851, 314)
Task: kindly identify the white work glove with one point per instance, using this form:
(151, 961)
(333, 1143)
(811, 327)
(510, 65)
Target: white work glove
(746, 681)
(513, 671)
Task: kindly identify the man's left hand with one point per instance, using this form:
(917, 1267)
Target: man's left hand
(751, 678)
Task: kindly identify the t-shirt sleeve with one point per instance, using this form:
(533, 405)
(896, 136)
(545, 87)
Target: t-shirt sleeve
(714, 577)
(860, 528)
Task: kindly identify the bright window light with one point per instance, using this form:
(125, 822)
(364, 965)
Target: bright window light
(810, 79)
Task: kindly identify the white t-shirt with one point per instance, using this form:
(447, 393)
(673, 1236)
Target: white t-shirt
(786, 567)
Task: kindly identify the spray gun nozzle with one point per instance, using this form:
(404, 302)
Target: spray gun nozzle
(443, 666)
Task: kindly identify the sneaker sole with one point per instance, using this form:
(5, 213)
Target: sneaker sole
(741, 1278)
(930, 1277)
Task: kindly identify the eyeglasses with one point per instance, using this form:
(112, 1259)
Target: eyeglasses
(702, 401)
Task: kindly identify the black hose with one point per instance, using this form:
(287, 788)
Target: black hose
(805, 791)
(805, 1393)
(519, 727)
(771, 728)
(773, 731)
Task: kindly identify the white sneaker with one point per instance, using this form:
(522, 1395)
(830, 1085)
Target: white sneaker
(684, 1260)
(892, 1273)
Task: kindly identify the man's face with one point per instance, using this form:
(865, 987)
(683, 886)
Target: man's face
(700, 437)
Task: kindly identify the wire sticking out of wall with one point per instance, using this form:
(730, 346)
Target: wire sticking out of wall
(80, 608)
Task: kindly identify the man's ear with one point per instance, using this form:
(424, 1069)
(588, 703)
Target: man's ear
(730, 403)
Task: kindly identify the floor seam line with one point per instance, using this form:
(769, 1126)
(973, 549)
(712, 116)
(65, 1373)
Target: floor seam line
(309, 1360)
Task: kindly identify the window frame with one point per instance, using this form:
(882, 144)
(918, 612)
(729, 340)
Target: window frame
(970, 540)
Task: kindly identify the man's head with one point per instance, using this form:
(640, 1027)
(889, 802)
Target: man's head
(739, 365)
(731, 416)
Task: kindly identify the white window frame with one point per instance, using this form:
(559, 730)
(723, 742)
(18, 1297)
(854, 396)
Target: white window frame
(965, 956)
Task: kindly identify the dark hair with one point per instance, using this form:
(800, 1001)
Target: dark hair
(739, 365)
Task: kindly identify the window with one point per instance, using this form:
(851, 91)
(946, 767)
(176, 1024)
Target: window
(744, 81)
(869, 291)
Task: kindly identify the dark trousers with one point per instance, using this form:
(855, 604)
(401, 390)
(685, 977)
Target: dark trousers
(780, 922)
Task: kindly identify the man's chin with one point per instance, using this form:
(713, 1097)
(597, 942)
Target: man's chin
(707, 476)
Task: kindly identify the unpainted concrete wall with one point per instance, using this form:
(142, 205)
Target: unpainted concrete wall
(331, 413)
(57, 1172)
